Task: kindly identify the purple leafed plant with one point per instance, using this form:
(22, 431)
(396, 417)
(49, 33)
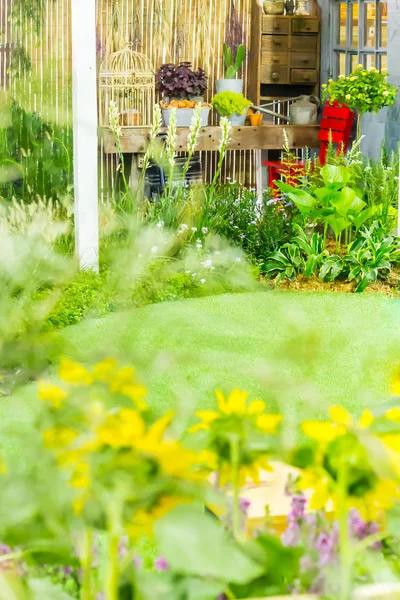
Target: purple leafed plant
(180, 81)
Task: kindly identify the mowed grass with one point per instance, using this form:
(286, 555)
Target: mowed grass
(299, 351)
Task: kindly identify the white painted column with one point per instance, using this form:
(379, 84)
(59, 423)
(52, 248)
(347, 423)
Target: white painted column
(84, 93)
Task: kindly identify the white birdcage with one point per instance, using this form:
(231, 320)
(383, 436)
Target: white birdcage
(127, 78)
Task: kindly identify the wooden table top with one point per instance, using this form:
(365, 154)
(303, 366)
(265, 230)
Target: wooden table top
(265, 137)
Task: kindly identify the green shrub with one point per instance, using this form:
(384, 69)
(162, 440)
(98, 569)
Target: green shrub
(229, 103)
(77, 298)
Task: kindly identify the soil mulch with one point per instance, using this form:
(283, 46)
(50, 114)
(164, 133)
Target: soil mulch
(389, 287)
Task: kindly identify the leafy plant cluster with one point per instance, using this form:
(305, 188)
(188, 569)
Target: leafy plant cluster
(230, 103)
(369, 257)
(181, 81)
(35, 157)
(363, 90)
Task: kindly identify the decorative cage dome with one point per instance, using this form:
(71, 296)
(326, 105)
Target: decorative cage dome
(127, 78)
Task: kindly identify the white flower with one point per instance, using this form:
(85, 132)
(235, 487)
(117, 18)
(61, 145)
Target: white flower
(160, 225)
(217, 252)
(194, 228)
(154, 250)
(204, 230)
(203, 280)
(207, 264)
(238, 259)
(194, 274)
(183, 226)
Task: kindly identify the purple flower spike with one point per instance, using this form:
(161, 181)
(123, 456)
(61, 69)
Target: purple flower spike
(244, 505)
(326, 546)
(292, 535)
(138, 562)
(160, 564)
(298, 508)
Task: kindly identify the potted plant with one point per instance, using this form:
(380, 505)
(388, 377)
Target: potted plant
(363, 90)
(233, 60)
(182, 88)
(232, 105)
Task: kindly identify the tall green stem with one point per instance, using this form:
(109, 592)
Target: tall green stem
(235, 486)
(112, 577)
(346, 553)
(87, 562)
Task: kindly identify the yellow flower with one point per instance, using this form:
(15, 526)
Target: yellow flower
(324, 85)
(385, 93)
(122, 429)
(353, 78)
(341, 422)
(124, 382)
(73, 373)
(341, 77)
(348, 96)
(246, 472)
(236, 404)
(48, 392)
(58, 437)
(81, 476)
(143, 520)
(396, 385)
(105, 370)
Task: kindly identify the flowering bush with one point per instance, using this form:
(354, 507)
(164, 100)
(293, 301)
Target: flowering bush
(363, 90)
(230, 103)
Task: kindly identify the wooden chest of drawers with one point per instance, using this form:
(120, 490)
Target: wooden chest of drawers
(285, 51)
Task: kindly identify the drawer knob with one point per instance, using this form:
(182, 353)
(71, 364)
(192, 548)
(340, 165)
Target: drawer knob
(306, 77)
(277, 26)
(275, 60)
(275, 76)
(276, 43)
(305, 61)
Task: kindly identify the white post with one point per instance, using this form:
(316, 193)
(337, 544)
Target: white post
(84, 93)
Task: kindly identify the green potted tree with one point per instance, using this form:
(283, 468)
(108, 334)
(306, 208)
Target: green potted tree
(231, 105)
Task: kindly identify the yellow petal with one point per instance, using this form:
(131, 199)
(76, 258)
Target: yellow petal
(73, 373)
(158, 428)
(136, 393)
(391, 440)
(396, 387)
(320, 497)
(207, 416)
(104, 370)
(222, 407)
(340, 415)
(268, 423)
(236, 402)
(251, 472)
(256, 407)
(199, 427)
(48, 392)
(3, 467)
(367, 419)
(58, 437)
(393, 414)
(322, 431)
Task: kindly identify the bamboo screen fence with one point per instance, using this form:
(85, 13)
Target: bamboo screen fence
(163, 30)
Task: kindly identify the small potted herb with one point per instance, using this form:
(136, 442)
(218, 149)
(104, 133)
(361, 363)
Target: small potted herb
(232, 105)
(182, 88)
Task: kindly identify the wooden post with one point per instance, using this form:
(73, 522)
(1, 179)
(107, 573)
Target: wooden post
(84, 91)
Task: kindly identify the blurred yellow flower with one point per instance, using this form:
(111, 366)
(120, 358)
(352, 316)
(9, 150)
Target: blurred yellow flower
(124, 382)
(105, 370)
(246, 472)
(73, 373)
(59, 437)
(48, 392)
(143, 520)
(236, 404)
(341, 422)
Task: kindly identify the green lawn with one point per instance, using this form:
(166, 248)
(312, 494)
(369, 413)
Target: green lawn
(301, 350)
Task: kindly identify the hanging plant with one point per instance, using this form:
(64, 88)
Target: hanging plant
(26, 12)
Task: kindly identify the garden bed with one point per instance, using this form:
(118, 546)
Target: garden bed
(303, 283)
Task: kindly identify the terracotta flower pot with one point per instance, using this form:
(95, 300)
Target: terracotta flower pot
(256, 120)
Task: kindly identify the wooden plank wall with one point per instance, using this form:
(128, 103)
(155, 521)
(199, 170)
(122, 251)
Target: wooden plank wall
(164, 30)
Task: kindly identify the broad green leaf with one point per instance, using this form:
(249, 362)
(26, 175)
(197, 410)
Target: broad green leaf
(201, 589)
(335, 174)
(344, 200)
(195, 544)
(338, 224)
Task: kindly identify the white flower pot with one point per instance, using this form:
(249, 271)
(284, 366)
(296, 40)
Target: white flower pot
(237, 120)
(184, 116)
(229, 85)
